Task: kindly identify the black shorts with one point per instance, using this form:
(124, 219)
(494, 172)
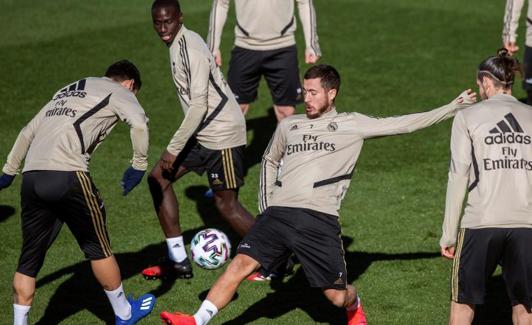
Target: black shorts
(279, 67)
(225, 168)
(51, 198)
(312, 236)
(478, 251)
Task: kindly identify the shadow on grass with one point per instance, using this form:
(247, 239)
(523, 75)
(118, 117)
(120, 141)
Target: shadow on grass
(6, 211)
(295, 293)
(81, 291)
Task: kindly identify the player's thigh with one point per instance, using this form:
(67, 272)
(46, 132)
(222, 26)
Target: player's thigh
(517, 266)
(319, 248)
(244, 74)
(266, 241)
(281, 72)
(84, 212)
(478, 252)
(225, 168)
(40, 226)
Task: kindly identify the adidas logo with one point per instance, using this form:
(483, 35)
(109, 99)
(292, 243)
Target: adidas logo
(507, 131)
(74, 90)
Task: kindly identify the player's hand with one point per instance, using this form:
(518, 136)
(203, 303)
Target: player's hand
(447, 252)
(511, 47)
(6, 180)
(131, 178)
(466, 97)
(167, 162)
(310, 56)
(218, 57)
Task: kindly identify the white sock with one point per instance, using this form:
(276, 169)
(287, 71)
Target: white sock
(21, 314)
(205, 313)
(176, 249)
(119, 302)
(354, 305)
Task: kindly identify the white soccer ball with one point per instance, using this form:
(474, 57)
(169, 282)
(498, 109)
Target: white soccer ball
(210, 248)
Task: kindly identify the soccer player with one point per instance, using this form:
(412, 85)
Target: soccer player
(265, 45)
(57, 145)
(491, 158)
(299, 202)
(509, 39)
(211, 138)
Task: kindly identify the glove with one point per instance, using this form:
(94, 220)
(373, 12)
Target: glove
(131, 178)
(6, 180)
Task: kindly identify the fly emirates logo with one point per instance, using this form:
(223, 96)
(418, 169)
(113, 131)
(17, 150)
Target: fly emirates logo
(309, 143)
(507, 132)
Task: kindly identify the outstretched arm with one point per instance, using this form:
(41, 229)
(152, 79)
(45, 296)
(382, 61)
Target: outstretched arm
(307, 15)
(376, 127)
(459, 168)
(216, 24)
(271, 161)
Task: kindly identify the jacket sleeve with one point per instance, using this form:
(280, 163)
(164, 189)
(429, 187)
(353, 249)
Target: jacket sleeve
(459, 168)
(217, 20)
(198, 107)
(271, 163)
(130, 111)
(22, 144)
(371, 127)
(511, 20)
(307, 15)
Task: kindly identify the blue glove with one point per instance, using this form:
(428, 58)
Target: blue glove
(6, 180)
(131, 178)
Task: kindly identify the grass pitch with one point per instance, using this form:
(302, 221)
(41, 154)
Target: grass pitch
(395, 57)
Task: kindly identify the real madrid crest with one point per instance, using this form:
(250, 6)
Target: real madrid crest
(333, 126)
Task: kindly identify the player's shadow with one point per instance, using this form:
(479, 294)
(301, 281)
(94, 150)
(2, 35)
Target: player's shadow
(6, 211)
(497, 307)
(80, 291)
(295, 293)
(263, 128)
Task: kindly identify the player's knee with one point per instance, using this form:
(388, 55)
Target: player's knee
(241, 266)
(338, 298)
(225, 204)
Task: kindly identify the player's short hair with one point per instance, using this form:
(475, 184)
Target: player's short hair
(329, 77)
(500, 68)
(166, 3)
(124, 70)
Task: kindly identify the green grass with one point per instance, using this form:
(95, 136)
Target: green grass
(395, 57)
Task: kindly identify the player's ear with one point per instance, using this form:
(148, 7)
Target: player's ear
(129, 84)
(332, 94)
(180, 18)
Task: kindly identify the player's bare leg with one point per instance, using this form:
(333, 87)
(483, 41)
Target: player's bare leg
(107, 272)
(244, 108)
(164, 199)
(232, 211)
(461, 314)
(521, 316)
(23, 289)
(167, 209)
(283, 111)
(220, 294)
(348, 299)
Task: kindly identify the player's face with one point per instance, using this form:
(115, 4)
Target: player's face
(167, 22)
(318, 100)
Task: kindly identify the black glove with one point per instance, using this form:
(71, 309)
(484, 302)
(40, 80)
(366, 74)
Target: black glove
(6, 180)
(131, 178)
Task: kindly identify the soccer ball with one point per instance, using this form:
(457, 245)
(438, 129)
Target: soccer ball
(210, 248)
